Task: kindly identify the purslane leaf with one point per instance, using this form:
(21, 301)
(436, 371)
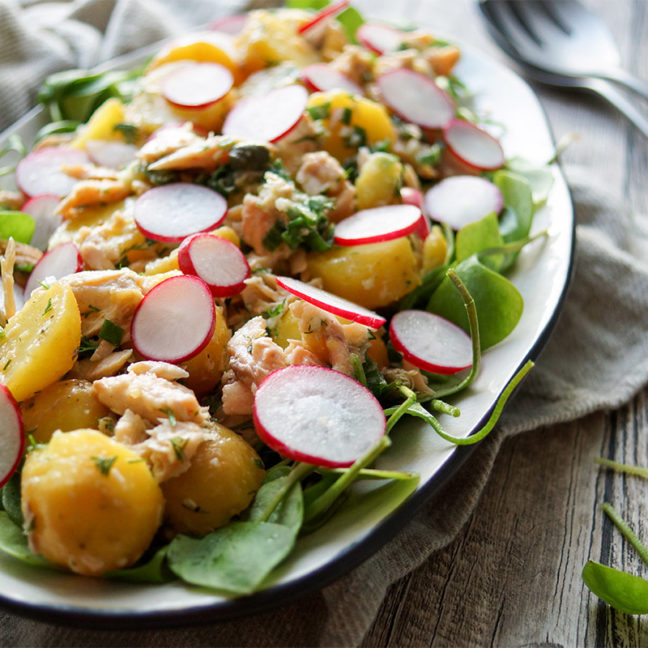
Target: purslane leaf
(622, 591)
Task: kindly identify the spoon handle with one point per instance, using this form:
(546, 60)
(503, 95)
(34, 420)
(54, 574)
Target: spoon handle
(607, 90)
(630, 81)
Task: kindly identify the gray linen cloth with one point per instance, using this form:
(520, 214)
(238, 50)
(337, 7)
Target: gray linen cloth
(595, 359)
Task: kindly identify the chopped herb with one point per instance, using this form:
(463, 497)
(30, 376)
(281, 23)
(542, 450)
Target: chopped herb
(129, 131)
(356, 138)
(322, 111)
(278, 168)
(383, 146)
(347, 113)
(430, 156)
(6, 365)
(178, 444)
(104, 463)
(87, 346)
(24, 267)
(261, 271)
(106, 423)
(91, 309)
(170, 415)
(134, 461)
(44, 285)
(111, 332)
(276, 310)
(48, 308)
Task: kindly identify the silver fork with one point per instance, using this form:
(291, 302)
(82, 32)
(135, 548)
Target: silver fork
(561, 43)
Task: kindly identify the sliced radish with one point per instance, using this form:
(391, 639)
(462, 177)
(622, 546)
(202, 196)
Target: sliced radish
(269, 117)
(380, 38)
(332, 303)
(321, 77)
(111, 153)
(430, 342)
(172, 212)
(411, 196)
(378, 224)
(12, 435)
(60, 261)
(41, 172)
(317, 415)
(416, 98)
(321, 15)
(473, 146)
(43, 210)
(217, 261)
(461, 200)
(175, 320)
(232, 25)
(197, 85)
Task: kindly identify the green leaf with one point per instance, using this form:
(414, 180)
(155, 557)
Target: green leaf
(515, 221)
(11, 499)
(540, 178)
(315, 5)
(624, 592)
(235, 558)
(480, 235)
(151, 571)
(17, 225)
(111, 332)
(499, 303)
(14, 543)
(350, 19)
(57, 127)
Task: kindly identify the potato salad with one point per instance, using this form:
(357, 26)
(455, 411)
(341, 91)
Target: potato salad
(227, 275)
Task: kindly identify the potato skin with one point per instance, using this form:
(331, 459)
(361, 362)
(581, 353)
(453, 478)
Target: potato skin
(65, 405)
(224, 475)
(371, 275)
(84, 514)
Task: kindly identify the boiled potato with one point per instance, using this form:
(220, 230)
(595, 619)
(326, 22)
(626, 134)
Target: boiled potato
(224, 475)
(66, 405)
(90, 503)
(379, 181)
(435, 249)
(268, 39)
(369, 117)
(206, 368)
(41, 341)
(371, 275)
(101, 126)
(76, 229)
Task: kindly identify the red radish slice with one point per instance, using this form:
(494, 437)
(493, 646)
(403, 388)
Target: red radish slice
(411, 196)
(197, 85)
(378, 224)
(325, 13)
(232, 25)
(473, 146)
(416, 98)
(41, 172)
(217, 261)
(12, 435)
(110, 153)
(317, 415)
(60, 261)
(172, 212)
(269, 117)
(42, 209)
(380, 38)
(332, 303)
(175, 320)
(430, 342)
(461, 200)
(321, 77)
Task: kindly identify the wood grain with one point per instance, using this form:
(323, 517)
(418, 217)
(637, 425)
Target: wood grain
(512, 578)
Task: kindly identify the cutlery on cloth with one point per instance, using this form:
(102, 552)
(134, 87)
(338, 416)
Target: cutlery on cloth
(561, 43)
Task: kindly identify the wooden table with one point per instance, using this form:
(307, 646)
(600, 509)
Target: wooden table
(512, 577)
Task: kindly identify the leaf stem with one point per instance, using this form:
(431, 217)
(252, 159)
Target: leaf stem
(319, 505)
(397, 413)
(369, 473)
(514, 246)
(626, 531)
(638, 471)
(445, 408)
(299, 472)
(494, 417)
